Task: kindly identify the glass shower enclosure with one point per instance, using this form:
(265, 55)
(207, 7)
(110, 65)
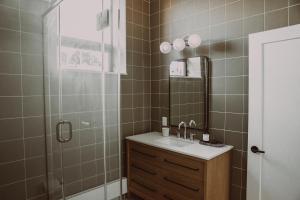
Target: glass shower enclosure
(84, 54)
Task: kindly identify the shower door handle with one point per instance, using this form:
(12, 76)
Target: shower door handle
(59, 137)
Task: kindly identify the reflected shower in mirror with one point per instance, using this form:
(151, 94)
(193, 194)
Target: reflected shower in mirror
(188, 91)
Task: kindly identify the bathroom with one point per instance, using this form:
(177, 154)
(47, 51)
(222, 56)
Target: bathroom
(83, 83)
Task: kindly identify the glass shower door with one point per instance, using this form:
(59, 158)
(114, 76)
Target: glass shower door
(82, 102)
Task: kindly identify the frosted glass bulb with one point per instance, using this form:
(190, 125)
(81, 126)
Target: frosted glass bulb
(194, 41)
(165, 47)
(179, 44)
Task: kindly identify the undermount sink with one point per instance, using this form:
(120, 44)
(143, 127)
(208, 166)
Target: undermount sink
(175, 142)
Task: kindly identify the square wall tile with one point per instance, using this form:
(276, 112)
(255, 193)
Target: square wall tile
(11, 129)
(253, 7)
(10, 3)
(13, 191)
(12, 172)
(10, 63)
(275, 4)
(294, 15)
(9, 18)
(234, 10)
(11, 151)
(10, 107)
(277, 19)
(9, 41)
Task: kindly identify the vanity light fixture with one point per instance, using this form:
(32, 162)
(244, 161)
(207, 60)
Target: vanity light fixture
(192, 41)
(165, 47)
(179, 44)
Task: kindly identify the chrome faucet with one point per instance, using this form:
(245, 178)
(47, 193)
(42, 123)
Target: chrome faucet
(192, 122)
(179, 126)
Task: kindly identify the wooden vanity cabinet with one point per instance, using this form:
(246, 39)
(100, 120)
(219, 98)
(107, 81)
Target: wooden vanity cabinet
(158, 174)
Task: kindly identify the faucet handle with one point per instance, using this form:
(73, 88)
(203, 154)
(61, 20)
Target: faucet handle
(180, 124)
(192, 122)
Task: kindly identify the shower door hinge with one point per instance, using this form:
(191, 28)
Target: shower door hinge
(102, 20)
(119, 18)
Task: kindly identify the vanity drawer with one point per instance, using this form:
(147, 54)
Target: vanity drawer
(183, 165)
(146, 170)
(143, 187)
(144, 153)
(181, 184)
(170, 195)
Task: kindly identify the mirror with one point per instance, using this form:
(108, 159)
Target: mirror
(189, 92)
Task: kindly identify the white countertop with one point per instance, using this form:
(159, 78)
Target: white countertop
(194, 149)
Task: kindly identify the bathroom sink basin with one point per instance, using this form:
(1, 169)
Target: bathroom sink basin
(174, 142)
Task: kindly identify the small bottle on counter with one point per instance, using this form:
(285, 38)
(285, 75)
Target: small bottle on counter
(205, 137)
(165, 128)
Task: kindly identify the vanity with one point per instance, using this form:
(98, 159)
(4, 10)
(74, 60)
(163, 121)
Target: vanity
(169, 168)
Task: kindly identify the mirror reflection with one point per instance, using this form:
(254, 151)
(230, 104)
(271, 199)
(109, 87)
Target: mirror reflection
(188, 91)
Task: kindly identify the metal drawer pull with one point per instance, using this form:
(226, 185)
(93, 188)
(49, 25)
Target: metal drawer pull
(143, 185)
(180, 184)
(144, 170)
(180, 165)
(143, 153)
(59, 137)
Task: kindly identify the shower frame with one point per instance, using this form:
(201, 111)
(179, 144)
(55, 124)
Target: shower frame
(122, 69)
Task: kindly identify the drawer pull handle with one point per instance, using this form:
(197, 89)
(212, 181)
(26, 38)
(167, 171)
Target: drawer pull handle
(144, 170)
(187, 167)
(143, 185)
(143, 153)
(180, 184)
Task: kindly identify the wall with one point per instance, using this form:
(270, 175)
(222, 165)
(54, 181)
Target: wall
(22, 152)
(224, 26)
(135, 86)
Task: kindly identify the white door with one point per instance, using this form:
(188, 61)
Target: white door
(274, 115)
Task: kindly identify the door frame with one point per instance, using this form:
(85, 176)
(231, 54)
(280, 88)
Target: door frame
(256, 97)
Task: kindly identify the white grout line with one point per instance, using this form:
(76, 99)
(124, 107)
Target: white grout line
(10, 7)
(20, 31)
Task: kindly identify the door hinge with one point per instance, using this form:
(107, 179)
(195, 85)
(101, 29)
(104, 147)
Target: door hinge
(102, 20)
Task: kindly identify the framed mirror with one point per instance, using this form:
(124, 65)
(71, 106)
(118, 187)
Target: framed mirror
(189, 92)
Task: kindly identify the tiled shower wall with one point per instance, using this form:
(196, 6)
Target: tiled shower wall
(22, 142)
(22, 152)
(224, 26)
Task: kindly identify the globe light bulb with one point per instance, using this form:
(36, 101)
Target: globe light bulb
(178, 44)
(194, 41)
(165, 47)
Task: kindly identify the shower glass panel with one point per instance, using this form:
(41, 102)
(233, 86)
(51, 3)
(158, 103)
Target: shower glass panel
(81, 66)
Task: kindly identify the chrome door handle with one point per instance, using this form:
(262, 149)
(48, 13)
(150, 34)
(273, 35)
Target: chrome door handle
(59, 138)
